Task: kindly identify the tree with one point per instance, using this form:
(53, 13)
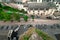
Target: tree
(26, 18)
(16, 16)
(12, 13)
(32, 17)
(0, 5)
(1, 16)
(23, 11)
(5, 16)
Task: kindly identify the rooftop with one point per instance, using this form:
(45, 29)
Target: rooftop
(36, 6)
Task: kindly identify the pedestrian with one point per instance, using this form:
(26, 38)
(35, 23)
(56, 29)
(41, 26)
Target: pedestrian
(9, 34)
(14, 34)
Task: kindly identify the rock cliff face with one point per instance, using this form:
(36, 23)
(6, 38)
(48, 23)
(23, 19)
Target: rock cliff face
(35, 36)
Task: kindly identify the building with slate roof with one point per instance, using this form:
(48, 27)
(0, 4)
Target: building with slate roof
(40, 8)
(30, 1)
(37, 6)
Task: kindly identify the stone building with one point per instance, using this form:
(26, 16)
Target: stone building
(42, 1)
(42, 9)
(11, 1)
(29, 1)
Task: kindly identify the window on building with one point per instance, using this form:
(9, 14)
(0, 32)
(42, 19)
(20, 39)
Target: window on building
(38, 13)
(59, 2)
(33, 0)
(33, 13)
(7, 27)
(18, 2)
(29, 10)
(41, 14)
(48, 0)
(53, 0)
(12, 27)
(2, 27)
(43, 0)
(51, 27)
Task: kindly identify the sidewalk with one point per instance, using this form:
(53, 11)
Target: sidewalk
(36, 21)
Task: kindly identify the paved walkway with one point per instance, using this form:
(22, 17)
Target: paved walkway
(36, 21)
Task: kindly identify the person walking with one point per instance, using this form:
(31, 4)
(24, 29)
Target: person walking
(9, 34)
(14, 34)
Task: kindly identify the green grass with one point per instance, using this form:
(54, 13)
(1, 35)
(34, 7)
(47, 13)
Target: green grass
(40, 33)
(6, 12)
(43, 35)
(26, 37)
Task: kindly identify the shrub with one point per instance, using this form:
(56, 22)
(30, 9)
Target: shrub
(26, 18)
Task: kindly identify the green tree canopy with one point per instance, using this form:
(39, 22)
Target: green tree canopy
(26, 18)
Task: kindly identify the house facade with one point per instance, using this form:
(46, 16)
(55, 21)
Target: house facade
(40, 7)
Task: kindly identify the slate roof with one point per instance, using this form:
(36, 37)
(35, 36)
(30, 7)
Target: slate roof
(37, 6)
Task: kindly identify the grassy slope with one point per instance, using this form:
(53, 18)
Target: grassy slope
(43, 35)
(6, 12)
(28, 34)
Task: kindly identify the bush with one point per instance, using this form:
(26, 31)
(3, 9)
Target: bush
(12, 13)
(26, 18)
(0, 5)
(32, 16)
(26, 37)
(16, 16)
(5, 16)
(23, 11)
